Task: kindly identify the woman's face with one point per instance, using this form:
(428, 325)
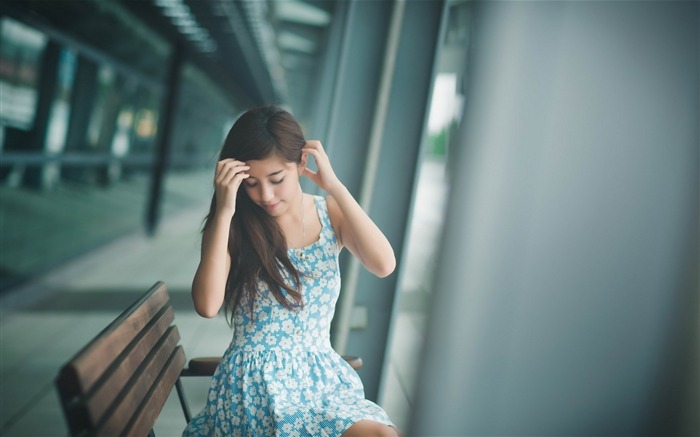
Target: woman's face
(273, 184)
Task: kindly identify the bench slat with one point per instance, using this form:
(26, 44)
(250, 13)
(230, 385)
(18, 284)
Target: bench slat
(148, 413)
(137, 389)
(101, 396)
(99, 354)
(125, 367)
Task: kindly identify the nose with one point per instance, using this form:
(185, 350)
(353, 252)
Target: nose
(266, 193)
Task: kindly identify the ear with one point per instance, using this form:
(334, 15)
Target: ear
(302, 164)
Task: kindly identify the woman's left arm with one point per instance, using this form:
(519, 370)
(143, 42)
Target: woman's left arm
(354, 228)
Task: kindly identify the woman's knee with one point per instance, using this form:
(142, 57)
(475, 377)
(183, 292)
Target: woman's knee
(369, 428)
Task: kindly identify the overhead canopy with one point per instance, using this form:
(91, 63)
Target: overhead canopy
(257, 51)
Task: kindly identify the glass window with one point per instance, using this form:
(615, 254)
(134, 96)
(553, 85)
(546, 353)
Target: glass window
(414, 293)
(20, 56)
(78, 186)
(203, 119)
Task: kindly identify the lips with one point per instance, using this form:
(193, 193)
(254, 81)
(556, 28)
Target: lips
(271, 206)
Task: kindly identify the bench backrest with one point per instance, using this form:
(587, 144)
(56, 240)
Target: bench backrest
(118, 383)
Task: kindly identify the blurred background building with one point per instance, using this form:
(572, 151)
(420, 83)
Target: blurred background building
(534, 165)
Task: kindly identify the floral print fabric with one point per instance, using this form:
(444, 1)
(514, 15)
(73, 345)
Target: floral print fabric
(280, 376)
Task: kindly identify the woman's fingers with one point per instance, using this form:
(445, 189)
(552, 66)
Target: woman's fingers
(324, 176)
(228, 163)
(225, 164)
(320, 158)
(228, 168)
(315, 148)
(230, 173)
(310, 174)
(234, 177)
(316, 144)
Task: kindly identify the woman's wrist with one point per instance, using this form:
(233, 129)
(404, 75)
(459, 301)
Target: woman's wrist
(338, 190)
(223, 215)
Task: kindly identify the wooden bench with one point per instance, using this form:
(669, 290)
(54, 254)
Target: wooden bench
(118, 383)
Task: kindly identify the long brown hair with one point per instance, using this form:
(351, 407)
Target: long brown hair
(256, 243)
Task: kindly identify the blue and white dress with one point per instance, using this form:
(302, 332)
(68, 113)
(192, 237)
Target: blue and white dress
(280, 376)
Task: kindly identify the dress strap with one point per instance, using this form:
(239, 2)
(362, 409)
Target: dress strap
(322, 209)
(327, 227)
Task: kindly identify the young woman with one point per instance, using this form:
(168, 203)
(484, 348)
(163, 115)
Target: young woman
(270, 259)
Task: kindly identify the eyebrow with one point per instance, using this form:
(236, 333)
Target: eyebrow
(271, 174)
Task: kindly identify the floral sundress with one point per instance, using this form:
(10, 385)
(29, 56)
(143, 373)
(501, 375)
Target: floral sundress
(280, 376)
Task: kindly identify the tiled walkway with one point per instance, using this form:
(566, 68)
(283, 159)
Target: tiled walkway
(46, 322)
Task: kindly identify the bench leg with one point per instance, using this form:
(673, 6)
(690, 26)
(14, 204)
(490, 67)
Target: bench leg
(183, 400)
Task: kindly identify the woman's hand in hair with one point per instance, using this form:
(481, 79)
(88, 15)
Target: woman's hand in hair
(209, 283)
(324, 177)
(228, 178)
(353, 228)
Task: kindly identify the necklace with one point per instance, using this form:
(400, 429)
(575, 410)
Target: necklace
(300, 251)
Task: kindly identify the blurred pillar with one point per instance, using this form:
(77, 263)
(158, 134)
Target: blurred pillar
(112, 102)
(356, 88)
(398, 113)
(165, 128)
(82, 105)
(327, 84)
(566, 294)
(350, 119)
(46, 91)
(328, 76)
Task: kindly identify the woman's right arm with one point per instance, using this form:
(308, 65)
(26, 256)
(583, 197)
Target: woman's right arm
(209, 284)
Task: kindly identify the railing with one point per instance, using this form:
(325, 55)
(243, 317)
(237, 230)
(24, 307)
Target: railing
(144, 160)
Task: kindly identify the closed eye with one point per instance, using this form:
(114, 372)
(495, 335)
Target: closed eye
(254, 184)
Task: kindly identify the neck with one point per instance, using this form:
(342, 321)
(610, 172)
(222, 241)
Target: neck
(293, 223)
